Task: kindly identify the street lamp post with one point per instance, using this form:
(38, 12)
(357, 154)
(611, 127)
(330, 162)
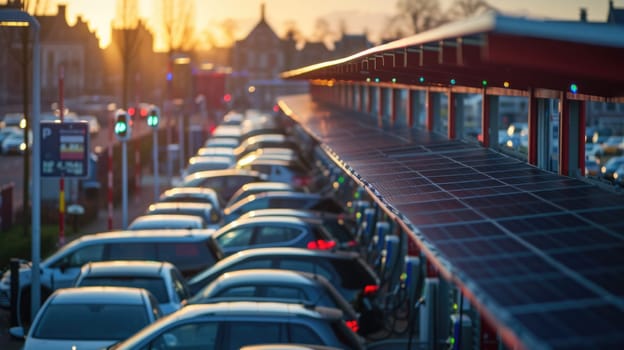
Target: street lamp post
(13, 17)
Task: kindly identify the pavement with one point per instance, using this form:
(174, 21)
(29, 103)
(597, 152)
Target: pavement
(137, 205)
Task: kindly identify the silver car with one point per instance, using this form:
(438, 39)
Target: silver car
(277, 285)
(89, 318)
(162, 279)
(231, 325)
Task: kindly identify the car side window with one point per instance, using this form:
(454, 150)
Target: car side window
(307, 266)
(188, 257)
(273, 234)
(156, 312)
(263, 263)
(280, 292)
(132, 251)
(237, 237)
(188, 336)
(180, 288)
(303, 335)
(84, 255)
(246, 333)
(240, 291)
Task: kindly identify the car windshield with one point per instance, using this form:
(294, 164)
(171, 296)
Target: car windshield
(91, 321)
(154, 285)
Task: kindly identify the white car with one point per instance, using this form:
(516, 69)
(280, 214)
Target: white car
(162, 279)
(89, 318)
(14, 143)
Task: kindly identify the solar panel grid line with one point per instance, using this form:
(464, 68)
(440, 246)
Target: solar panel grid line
(537, 181)
(557, 306)
(470, 184)
(401, 197)
(482, 192)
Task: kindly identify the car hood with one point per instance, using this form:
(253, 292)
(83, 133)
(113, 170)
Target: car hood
(64, 344)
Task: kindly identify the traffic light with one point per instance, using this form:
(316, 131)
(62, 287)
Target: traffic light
(153, 118)
(122, 125)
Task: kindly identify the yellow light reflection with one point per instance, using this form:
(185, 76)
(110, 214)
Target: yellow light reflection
(13, 24)
(182, 60)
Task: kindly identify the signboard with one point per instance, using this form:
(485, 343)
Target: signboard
(64, 149)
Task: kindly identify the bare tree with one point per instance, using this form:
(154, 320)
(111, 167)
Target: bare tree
(324, 33)
(415, 16)
(179, 25)
(468, 8)
(127, 41)
(229, 27)
(291, 29)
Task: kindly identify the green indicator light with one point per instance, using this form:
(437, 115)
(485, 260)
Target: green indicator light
(376, 80)
(341, 179)
(421, 79)
(573, 88)
(356, 195)
(455, 307)
(358, 215)
(120, 128)
(452, 340)
(453, 81)
(394, 80)
(484, 82)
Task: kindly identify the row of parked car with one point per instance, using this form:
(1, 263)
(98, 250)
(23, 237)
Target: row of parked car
(257, 250)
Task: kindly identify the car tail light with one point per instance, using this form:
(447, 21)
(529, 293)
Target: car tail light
(321, 244)
(301, 181)
(352, 243)
(371, 289)
(353, 325)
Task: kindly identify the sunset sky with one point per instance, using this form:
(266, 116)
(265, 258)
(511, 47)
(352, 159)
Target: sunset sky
(359, 15)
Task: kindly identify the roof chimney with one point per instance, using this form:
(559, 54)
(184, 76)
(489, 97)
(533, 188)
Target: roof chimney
(262, 12)
(583, 15)
(61, 11)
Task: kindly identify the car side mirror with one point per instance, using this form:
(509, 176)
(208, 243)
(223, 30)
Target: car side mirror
(17, 333)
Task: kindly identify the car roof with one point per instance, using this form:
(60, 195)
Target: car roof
(179, 205)
(192, 221)
(251, 186)
(135, 268)
(210, 159)
(99, 295)
(287, 347)
(274, 194)
(262, 276)
(300, 213)
(297, 194)
(268, 220)
(141, 236)
(194, 191)
(272, 161)
(224, 172)
(240, 308)
(291, 251)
